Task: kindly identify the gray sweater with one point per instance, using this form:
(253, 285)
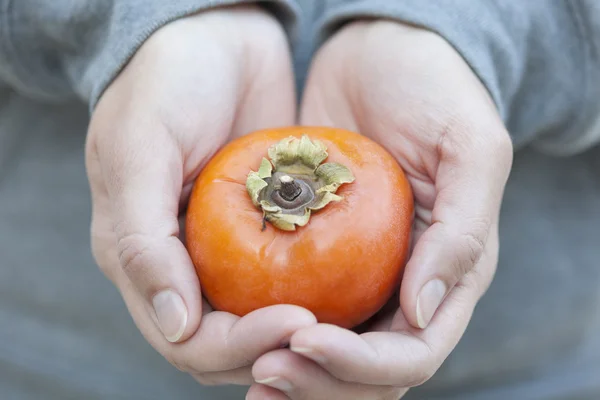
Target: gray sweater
(533, 336)
(539, 59)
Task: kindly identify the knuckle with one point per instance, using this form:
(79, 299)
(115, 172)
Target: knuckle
(132, 249)
(470, 244)
(458, 138)
(481, 276)
(472, 247)
(449, 146)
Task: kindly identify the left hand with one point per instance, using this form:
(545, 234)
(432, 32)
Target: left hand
(194, 84)
(409, 90)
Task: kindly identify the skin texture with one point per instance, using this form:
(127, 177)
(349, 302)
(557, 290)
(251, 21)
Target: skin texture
(203, 80)
(194, 84)
(342, 266)
(407, 89)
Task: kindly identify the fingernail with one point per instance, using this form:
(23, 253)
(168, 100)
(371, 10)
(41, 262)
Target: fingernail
(431, 296)
(277, 383)
(170, 313)
(309, 353)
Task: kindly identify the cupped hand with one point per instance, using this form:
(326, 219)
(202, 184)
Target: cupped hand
(409, 90)
(193, 85)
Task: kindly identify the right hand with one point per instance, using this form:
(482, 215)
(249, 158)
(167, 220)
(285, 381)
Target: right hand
(408, 89)
(192, 86)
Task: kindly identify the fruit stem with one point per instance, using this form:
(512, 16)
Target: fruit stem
(290, 190)
(295, 183)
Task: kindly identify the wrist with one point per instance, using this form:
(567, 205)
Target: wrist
(237, 37)
(233, 27)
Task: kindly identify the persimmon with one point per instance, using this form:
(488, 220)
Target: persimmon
(312, 216)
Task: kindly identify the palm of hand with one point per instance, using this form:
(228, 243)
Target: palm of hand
(193, 85)
(411, 92)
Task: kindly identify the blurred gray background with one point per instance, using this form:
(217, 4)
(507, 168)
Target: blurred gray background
(65, 333)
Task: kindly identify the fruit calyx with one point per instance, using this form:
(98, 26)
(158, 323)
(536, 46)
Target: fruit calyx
(295, 182)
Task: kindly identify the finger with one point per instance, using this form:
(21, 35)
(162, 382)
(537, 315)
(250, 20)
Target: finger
(300, 378)
(404, 357)
(143, 197)
(238, 376)
(152, 136)
(470, 181)
(224, 342)
(263, 392)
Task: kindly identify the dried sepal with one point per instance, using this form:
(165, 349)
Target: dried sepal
(334, 175)
(301, 159)
(288, 222)
(265, 169)
(302, 152)
(254, 185)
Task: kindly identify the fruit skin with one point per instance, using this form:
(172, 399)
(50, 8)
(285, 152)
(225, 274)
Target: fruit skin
(343, 265)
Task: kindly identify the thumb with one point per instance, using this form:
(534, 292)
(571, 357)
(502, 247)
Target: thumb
(143, 179)
(472, 172)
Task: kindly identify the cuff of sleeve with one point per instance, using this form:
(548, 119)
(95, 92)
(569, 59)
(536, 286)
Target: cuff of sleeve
(459, 23)
(132, 25)
(54, 50)
(531, 56)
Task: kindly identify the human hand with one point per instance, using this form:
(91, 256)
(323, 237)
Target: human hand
(192, 86)
(410, 91)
